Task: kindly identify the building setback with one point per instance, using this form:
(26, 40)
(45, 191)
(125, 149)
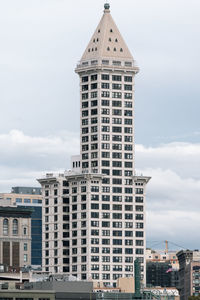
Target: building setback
(94, 215)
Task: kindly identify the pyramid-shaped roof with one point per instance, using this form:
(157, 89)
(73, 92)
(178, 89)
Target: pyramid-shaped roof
(107, 42)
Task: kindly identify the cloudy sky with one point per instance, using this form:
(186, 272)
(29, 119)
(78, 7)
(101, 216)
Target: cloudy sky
(40, 43)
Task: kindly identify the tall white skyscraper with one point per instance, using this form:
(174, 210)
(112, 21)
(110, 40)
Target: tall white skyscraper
(94, 215)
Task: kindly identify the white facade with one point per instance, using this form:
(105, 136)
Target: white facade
(94, 220)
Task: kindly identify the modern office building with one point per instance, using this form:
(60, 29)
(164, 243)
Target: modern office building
(15, 236)
(29, 197)
(189, 273)
(94, 215)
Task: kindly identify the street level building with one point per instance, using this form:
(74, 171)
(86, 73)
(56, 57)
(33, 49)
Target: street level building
(15, 236)
(189, 273)
(94, 215)
(29, 197)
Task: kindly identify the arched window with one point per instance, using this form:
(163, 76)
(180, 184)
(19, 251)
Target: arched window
(5, 226)
(15, 227)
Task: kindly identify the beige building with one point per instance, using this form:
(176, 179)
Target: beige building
(189, 273)
(163, 256)
(15, 236)
(94, 220)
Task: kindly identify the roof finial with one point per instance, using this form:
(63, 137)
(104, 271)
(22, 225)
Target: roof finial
(107, 7)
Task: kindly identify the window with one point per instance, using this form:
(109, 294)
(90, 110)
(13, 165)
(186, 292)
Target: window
(84, 113)
(25, 231)
(105, 94)
(105, 250)
(117, 190)
(117, 95)
(25, 247)
(139, 234)
(95, 189)
(94, 206)
(27, 200)
(5, 227)
(94, 111)
(117, 112)
(94, 77)
(95, 215)
(105, 129)
(105, 215)
(105, 154)
(15, 227)
(95, 259)
(117, 198)
(105, 224)
(117, 216)
(116, 78)
(116, 129)
(94, 250)
(116, 86)
(128, 87)
(139, 199)
(93, 86)
(117, 207)
(105, 120)
(105, 85)
(105, 259)
(85, 104)
(105, 206)
(19, 200)
(105, 77)
(117, 250)
(93, 94)
(105, 111)
(128, 250)
(128, 79)
(105, 232)
(94, 120)
(25, 257)
(105, 198)
(84, 78)
(117, 232)
(139, 251)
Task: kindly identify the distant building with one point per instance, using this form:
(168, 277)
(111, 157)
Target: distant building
(161, 274)
(26, 190)
(29, 197)
(164, 256)
(189, 273)
(161, 268)
(15, 236)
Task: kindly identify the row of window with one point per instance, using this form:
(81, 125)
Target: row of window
(96, 232)
(105, 85)
(96, 206)
(107, 163)
(106, 198)
(15, 227)
(115, 129)
(106, 111)
(106, 120)
(107, 103)
(107, 77)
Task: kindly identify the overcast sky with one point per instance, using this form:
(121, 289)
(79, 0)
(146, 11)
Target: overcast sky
(40, 43)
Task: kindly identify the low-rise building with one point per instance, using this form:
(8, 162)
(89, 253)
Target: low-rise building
(15, 236)
(28, 197)
(189, 273)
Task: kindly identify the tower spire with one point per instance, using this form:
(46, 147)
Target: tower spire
(106, 7)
